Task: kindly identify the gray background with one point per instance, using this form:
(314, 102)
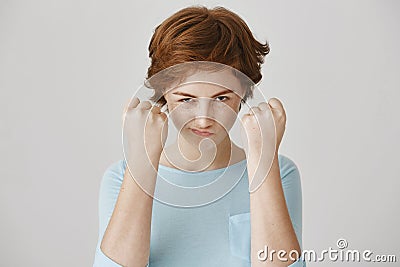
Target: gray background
(67, 68)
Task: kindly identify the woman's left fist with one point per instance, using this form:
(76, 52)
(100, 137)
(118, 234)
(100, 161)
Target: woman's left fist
(263, 128)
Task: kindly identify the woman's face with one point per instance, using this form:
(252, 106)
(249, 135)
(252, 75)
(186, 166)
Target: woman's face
(204, 110)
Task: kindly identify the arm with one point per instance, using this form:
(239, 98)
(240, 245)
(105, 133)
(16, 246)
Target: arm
(127, 237)
(126, 240)
(271, 226)
(271, 223)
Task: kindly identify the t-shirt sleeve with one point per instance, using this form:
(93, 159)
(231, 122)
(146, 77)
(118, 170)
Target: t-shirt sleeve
(109, 189)
(291, 184)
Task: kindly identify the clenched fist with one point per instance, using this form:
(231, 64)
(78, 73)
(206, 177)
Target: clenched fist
(263, 129)
(145, 130)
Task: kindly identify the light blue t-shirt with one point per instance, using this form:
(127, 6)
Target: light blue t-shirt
(216, 234)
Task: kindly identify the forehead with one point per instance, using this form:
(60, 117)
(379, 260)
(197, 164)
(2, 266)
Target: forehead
(206, 83)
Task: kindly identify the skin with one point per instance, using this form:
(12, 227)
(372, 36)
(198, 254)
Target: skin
(127, 237)
(198, 156)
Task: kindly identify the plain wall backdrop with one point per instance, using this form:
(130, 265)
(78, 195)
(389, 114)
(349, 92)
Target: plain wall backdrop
(67, 69)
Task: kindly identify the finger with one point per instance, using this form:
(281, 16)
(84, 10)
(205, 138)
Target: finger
(134, 102)
(275, 103)
(163, 115)
(144, 105)
(156, 110)
(253, 110)
(126, 107)
(245, 116)
(263, 106)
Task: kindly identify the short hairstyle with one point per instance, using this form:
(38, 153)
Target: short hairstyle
(197, 33)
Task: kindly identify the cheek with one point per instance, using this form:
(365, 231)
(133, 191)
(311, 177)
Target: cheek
(235, 106)
(179, 117)
(227, 122)
(227, 116)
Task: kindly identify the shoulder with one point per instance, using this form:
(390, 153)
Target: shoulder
(287, 166)
(291, 183)
(110, 186)
(116, 167)
(114, 174)
(292, 189)
(109, 189)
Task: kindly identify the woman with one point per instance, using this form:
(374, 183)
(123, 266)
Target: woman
(135, 230)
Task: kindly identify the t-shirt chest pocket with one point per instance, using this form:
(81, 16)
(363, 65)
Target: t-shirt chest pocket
(240, 235)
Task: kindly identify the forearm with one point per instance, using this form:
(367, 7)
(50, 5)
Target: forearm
(270, 221)
(127, 237)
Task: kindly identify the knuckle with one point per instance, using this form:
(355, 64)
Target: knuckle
(144, 105)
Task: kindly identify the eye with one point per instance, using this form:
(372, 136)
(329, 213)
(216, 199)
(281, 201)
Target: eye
(222, 98)
(185, 100)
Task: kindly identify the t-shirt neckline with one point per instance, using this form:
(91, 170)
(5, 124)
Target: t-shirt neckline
(175, 170)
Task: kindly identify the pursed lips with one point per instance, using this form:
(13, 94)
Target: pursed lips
(201, 133)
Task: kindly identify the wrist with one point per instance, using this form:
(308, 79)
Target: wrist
(262, 164)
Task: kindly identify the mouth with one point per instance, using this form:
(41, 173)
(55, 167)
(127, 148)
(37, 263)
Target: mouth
(201, 133)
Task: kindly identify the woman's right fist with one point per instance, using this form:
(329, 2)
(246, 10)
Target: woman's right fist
(145, 129)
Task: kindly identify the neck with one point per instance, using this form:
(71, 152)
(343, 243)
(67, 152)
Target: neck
(207, 150)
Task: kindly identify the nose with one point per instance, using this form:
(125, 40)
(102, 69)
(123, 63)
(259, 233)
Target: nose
(203, 113)
(202, 122)
(204, 107)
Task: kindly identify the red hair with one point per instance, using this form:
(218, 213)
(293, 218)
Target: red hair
(197, 33)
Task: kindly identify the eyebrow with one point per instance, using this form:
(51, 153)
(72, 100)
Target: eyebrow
(186, 94)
